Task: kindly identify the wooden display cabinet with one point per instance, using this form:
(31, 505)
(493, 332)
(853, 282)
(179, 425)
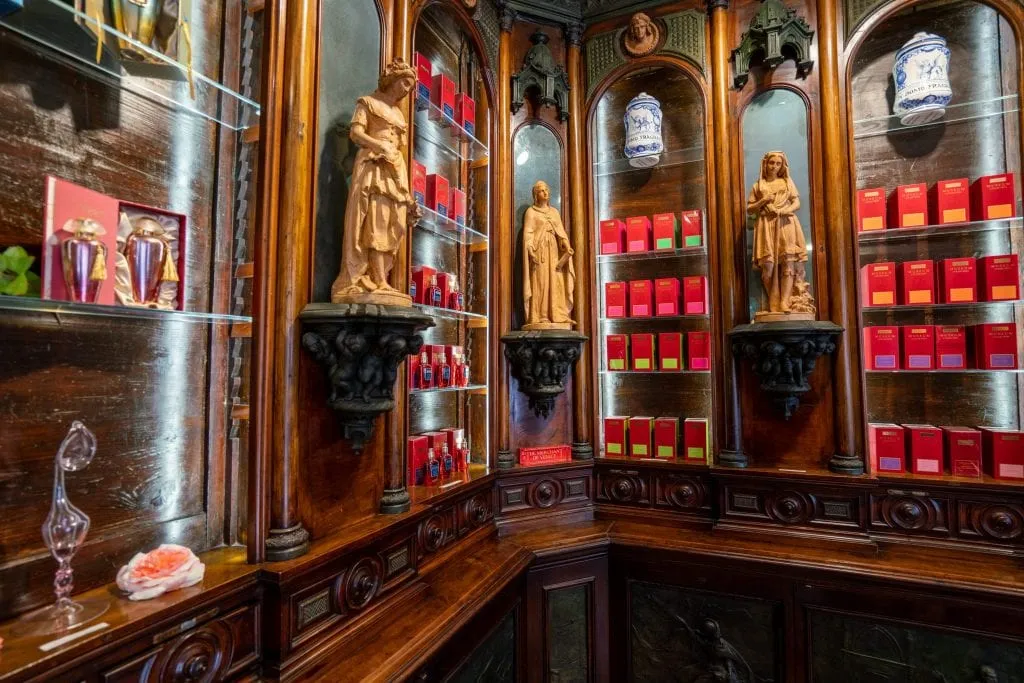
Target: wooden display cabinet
(619, 191)
(461, 250)
(980, 135)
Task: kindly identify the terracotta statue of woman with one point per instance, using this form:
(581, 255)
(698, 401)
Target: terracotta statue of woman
(549, 274)
(780, 250)
(379, 199)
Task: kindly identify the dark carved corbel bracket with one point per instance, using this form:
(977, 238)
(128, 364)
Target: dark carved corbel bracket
(773, 28)
(541, 361)
(360, 347)
(783, 355)
(540, 71)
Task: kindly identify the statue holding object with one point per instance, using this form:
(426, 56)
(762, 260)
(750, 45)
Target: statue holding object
(380, 202)
(549, 274)
(780, 250)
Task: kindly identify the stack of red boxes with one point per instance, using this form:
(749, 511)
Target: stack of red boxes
(645, 352)
(656, 437)
(961, 280)
(435, 456)
(956, 450)
(940, 347)
(637, 234)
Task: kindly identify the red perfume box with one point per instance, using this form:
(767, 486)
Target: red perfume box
(419, 182)
(924, 447)
(993, 197)
(414, 371)
(692, 226)
(666, 296)
(640, 295)
(963, 451)
(871, 209)
(613, 236)
(1000, 277)
(878, 284)
(918, 279)
(950, 201)
(698, 350)
(908, 206)
(422, 279)
(418, 446)
(888, 449)
(640, 432)
(615, 299)
(544, 455)
(465, 113)
(665, 229)
(995, 346)
(918, 347)
(695, 295)
(448, 283)
(638, 234)
(1003, 452)
(642, 352)
(617, 351)
(437, 194)
(695, 439)
(424, 77)
(66, 202)
(443, 96)
(959, 278)
(670, 351)
(437, 441)
(455, 437)
(615, 435)
(881, 347)
(666, 437)
(457, 206)
(950, 347)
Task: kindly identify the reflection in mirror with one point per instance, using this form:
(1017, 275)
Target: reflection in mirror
(537, 155)
(350, 72)
(776, 120)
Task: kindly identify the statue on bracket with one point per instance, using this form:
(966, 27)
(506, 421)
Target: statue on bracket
(380, 202)
(642, 36)
(780, 250)
(549, 274)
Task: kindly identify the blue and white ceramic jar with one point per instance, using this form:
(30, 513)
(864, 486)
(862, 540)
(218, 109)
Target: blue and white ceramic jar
(921, 74)
(643, 131)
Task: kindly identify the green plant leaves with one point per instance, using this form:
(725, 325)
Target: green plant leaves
(15, 277)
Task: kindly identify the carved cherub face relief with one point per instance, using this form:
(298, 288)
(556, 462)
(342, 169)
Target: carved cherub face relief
(642, 35)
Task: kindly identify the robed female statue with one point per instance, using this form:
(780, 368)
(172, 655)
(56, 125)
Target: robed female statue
(549, 275)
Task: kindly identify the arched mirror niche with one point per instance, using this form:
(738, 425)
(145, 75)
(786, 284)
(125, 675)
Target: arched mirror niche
(776, 121)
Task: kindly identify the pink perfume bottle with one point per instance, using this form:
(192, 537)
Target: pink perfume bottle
(150, 259)
(84, 259)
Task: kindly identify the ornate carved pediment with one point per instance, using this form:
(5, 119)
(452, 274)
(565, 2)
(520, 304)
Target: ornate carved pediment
(773, 29)
(540, 71)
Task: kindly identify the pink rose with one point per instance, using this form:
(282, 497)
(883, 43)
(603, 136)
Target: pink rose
(167, 568)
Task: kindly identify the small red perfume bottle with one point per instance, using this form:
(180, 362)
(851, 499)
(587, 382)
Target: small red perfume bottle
(447, 464)
(456, 299)
(426, 372)
(444, 372)
(462, 453)
(433, 467)
(463, 372)
(433, 294)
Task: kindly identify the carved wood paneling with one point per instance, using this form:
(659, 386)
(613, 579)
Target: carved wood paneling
(623, 486)
(910, 512)
(544, 490)
(685, 36)
(997, 522)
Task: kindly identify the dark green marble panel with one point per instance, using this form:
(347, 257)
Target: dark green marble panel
(494, 660)
(568, 641)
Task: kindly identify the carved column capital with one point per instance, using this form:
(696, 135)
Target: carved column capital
(574, 33)
(717, 4)
(508, 17)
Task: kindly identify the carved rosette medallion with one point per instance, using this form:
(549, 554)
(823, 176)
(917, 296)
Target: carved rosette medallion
(477, 510)
(684, 493)
(783, 356)
(432, 533)
(909, 513)
(197, 657)
(541, 361)
(362, 583)
(545, 493)
(790, 507)
(360, 347)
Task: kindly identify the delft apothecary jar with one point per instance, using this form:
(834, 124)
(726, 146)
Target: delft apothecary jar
(921, 74)
(643, 131)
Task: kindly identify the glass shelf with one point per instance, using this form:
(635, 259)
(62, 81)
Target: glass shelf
(652, 255)
(955, 113)
(69, 36)
(980, 305)
(442, 132)
(968, 371)
(606, 321)
(449, 314)
(57, 308)
(655, 373)
(442, 226)
(897, 234)
(676, 157)
(472, 388)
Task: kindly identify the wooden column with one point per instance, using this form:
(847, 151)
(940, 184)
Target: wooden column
(849, 456)
(287, 538)
(395, 497)
(582, 392)
(501, 241)
(730, 248)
